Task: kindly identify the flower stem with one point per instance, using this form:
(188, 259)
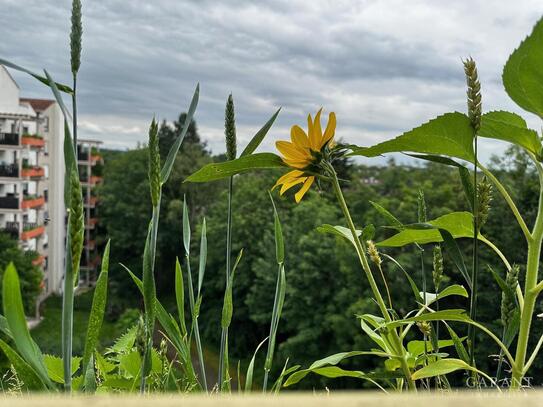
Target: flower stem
(373, 285)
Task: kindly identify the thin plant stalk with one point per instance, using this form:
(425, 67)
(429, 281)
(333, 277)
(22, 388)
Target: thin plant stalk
(195, 326)
(67, 315)
(375, 290)
(223, 357)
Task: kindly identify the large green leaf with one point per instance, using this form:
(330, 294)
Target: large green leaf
(522, 75)
(450, 135)
(25, 372)
(512, 128)
(259, 136)
(216, 171)
(55, 369)
(14, 313)
(328, 361)
(442, 367)
(458, 224)
(251, 368)
(98, 309)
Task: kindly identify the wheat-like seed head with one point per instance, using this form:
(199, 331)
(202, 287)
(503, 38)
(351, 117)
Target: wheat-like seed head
(473, 93)
(154, 163)
(75, 36)
(77, 222)
(230, 129)
(508, 305)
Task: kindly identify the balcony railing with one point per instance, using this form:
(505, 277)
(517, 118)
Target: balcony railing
(9, 139)
(32, 202)
(33, 172)
(12, 228)
(82, 156)
(9, 202)
(31, 230)
(9, 170)
(33, 141)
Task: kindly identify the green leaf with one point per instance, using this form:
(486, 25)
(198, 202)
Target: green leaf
(387, 215)
(503, 285)
(279, 243)
(320, 366)
(343, 232)
(186, 227)
(458, 345)
(228, 305)
(174, 149)
(203, 256)
(458, 224)
(55, 369)
(14, 313)
(442, 367)
(443, 315)
(180, 296)
(216, 171)
(454, 289)
(522, 76)
(63, 88)
(259, 136)
(455, 254)
(512, 128)
(131, 364)
(413, 285)
(251, 368)
(417, 348)
(450, 134)
(98, 309)
(26, 373)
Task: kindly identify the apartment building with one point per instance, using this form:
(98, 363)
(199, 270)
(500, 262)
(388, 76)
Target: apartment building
(32, 206)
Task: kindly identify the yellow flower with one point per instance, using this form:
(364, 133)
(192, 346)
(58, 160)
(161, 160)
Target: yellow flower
(299, 153)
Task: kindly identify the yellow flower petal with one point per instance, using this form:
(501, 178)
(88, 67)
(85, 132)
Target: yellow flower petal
(300, 164)
(298, 137)
(287, 177)
(330, 130)
(317, 132)
(290, 151)
(307, 184)
(310, 132)
(286, 186)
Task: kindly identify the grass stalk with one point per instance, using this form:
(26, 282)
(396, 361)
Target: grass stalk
(375, 290)
(223, 357)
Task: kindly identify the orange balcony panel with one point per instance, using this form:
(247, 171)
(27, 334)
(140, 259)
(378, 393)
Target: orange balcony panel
(91, 244)
(38, 261)
(33, 172)
(32, 141)
(32, 233)
(94, 179)
(32, 203)
(95, 157)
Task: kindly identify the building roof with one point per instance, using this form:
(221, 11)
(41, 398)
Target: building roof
(39, 105)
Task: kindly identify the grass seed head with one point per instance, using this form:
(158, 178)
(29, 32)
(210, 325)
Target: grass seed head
(154, 163)
(77, 222)
(437, 272)
(373, 253)
(508, 304)
(473, 93)
(75, 36)
(230, 129)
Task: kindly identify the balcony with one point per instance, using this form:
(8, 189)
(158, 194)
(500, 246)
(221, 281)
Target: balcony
(9, 139)
(91, 224)
(38, 261)
(9, 202)
(90, 245)
(32, 202)
(92, 180)
(32, 141)
(31, 230)
(91, 202)
(33, 172)
(9, 170)
(12, 229)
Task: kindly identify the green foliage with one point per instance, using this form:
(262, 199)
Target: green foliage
(522, 77)
(30, 276)
(450, 134)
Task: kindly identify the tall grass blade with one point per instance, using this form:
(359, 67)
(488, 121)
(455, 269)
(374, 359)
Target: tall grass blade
(14, 313)
(180, 296)
(259, 136)
(96, 317)
(42, 79)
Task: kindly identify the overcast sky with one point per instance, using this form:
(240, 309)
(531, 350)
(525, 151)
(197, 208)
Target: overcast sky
(384, 66)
